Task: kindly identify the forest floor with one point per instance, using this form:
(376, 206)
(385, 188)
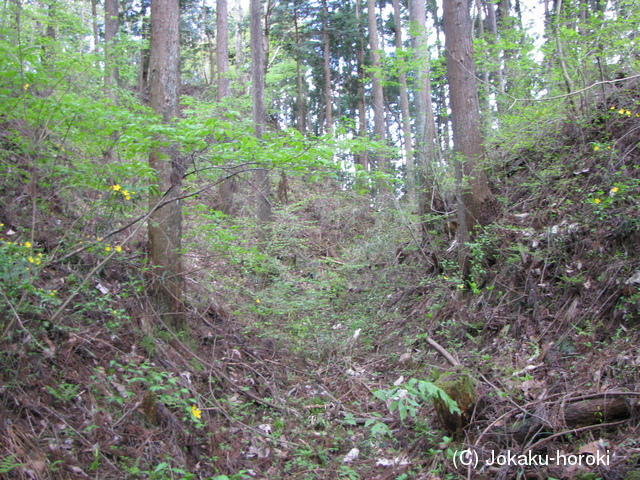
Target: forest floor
(312, 361)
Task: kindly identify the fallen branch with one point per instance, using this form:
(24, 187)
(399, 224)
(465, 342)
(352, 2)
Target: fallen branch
(443, 352)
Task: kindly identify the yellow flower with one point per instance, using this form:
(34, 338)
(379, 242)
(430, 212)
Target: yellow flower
(118, 248)
(621, 111)
(127, 197)
(597, 201)
(116, 187)
(596, 148)
(38, 261)
(615, 190)
(613, 108)
(125, 193)
(257, 300)
(628, 113)
(30, 259)
(27, 244)
(196, 412)
(25, 86)
(107, 248)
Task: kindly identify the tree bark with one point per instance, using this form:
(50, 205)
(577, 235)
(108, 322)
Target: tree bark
(492, 26)
(485, 100)
(426, 137)
(222, 44)
(143, 83)
(226, 188)
(362, 158)
(94, 22)
(261, 180)
(301, 118)
(238, 43)
(476, 203)
(382, 163)
(328, 98)
(404, 96)
(111, 26)
(165, 224)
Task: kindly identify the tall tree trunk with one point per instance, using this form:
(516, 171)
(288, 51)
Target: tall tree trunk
(560, 52)
(165, 223)
(492, 26)
(48, 46)
(485, 100)
(476, 203)
(111, 26)
(226, 188)
(222, 43)
(404, 97)
(426, 137)
(143, 81)
(94, 23)
(301, 118)
(362, 158)
(261, 180)
(210, 34)
(328, 98)
(382, 163)
(238, 43)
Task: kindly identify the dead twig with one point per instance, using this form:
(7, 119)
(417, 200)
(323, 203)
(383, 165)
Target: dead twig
(443, 352)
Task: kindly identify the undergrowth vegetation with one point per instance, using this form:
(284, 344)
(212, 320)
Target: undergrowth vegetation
(312, 341)
(321, 345)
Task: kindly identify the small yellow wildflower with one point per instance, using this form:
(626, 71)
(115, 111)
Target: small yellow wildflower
(25, 86)
(615, 190)
(621, 111)
(116, 187)
(613, 108)
(597, 201)
(127, 197)
(125, 192)
(118, 248)
(107, 248)
(30, 259)
(38, 261)
(596, 148)
(27, 244)
(257, 300)
(461, 287)
(196, 412)
(628, 113)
